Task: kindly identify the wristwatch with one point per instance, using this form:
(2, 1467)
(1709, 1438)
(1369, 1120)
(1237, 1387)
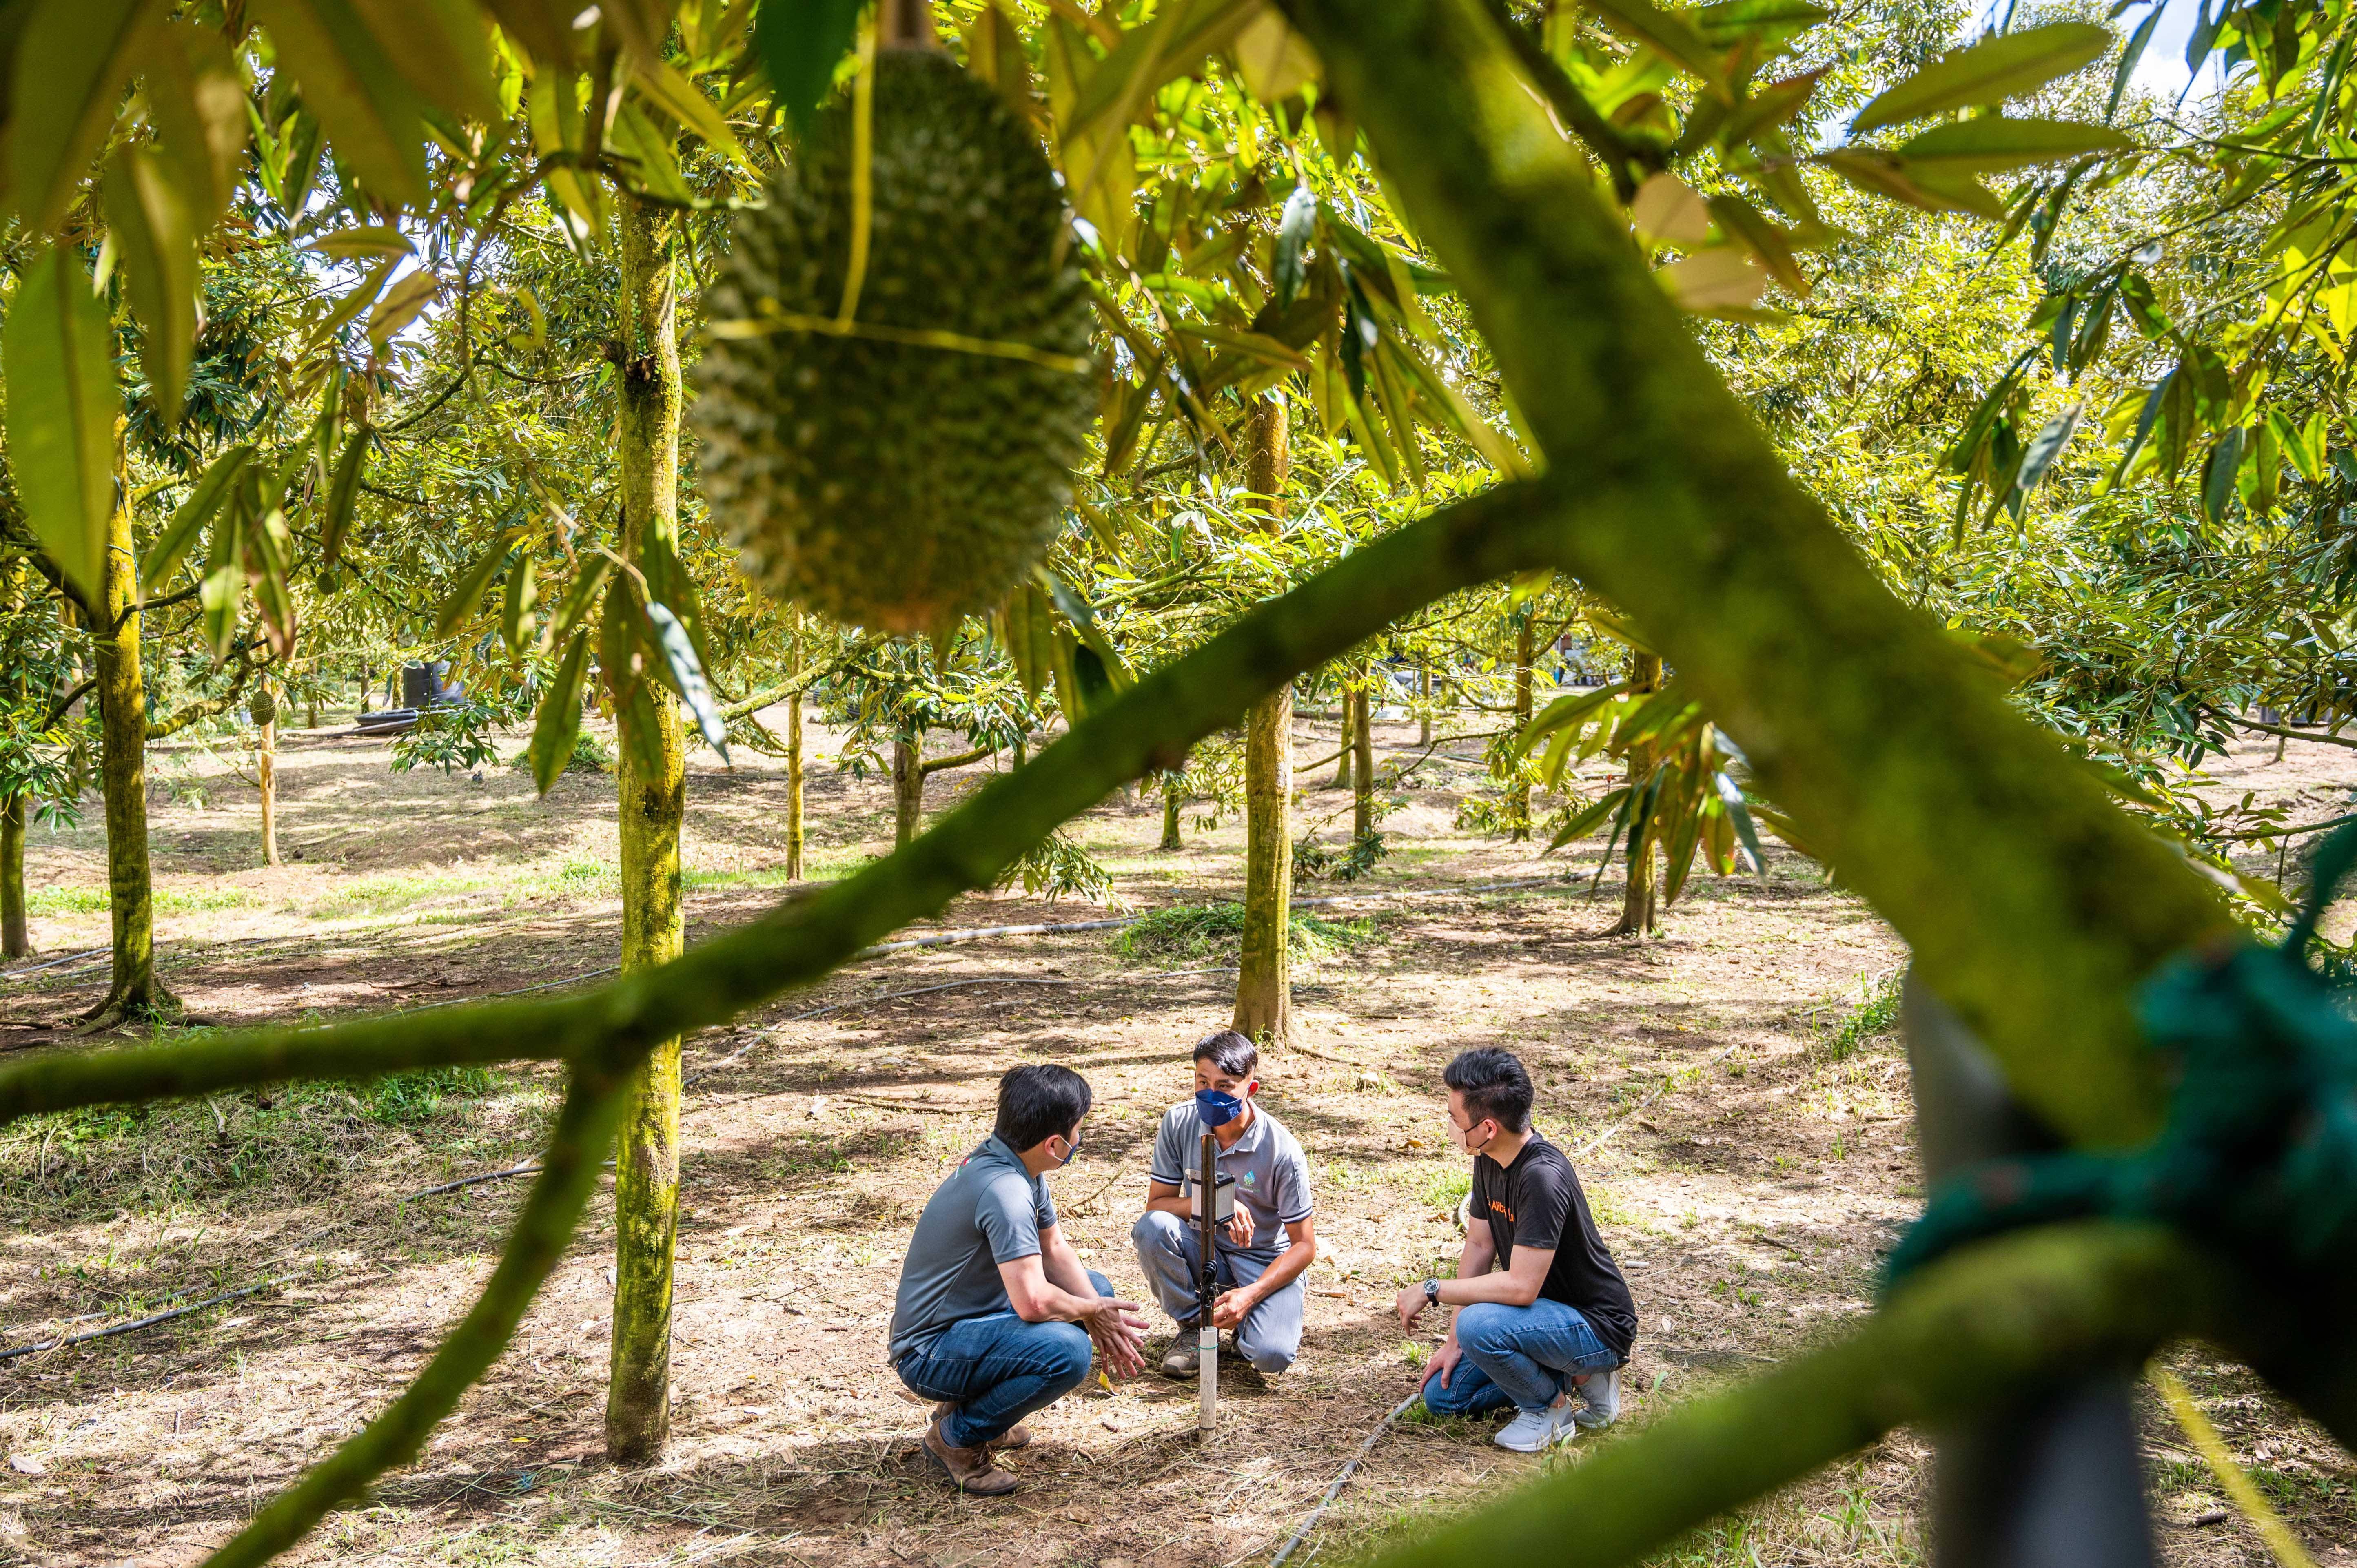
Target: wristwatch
(1432, 1293)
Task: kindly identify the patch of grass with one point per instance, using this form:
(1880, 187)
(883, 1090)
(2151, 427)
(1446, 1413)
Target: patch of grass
(406, 1099)
(1875, 1016)
(168, 900)
(1443, 1189)
(1191, 933)
(390, 890)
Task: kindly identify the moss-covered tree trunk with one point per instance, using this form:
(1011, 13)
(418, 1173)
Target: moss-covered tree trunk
(1361, 746)
(133, 992)
(907, 789)
(1348, 728)
(1423, 719)
(794, 760)
(1172, 806)
(1638, 899)
(1265, 967)
(265, 778)
(1519, 795)
(16, 932)
(652, 776)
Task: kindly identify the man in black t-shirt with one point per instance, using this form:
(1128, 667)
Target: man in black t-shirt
(1545, 1320)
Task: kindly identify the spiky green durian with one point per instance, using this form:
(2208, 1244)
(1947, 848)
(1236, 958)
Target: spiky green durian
(892, 484)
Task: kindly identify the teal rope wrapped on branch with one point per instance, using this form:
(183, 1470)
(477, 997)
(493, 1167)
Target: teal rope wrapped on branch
(2258, 1156)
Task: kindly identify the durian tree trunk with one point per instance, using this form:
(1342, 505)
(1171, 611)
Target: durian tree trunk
(652, 777)
(1423, 719)
(133, 992)
(16, 932)
(1346, 729)
(794, 762)
(1171, 809)
(1265, 971)
(1363, 749)
(1637, 897)
(907, 789)
(265, 778)
(1519, 794)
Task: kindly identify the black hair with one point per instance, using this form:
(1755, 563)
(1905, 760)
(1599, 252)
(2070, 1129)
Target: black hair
(1039, 1100)
(1230, 1052)
(1495, 1086)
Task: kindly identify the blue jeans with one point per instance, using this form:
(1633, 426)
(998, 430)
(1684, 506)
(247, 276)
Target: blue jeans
(999, 1370)
(1522, 1356)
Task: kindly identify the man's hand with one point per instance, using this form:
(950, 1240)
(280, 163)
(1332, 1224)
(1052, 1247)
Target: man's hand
(1240, 1228)
(1443, 1363)
(1232, 1306)
(1411, 1305)
(1119, 1333)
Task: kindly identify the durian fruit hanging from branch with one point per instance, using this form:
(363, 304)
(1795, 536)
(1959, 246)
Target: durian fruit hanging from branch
(899, 386)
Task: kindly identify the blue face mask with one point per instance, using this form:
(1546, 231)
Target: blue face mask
(1217, 1109)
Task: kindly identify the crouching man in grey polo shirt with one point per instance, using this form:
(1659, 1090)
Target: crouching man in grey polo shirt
(996, 1316)
(1271, 1239)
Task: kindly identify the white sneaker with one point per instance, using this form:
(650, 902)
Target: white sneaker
(1601, 1394)
(1532, 1431)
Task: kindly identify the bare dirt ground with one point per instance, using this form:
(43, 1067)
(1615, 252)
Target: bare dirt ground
(1730, 1090)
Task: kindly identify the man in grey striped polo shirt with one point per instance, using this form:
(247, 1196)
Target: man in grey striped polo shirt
(1270, 1241)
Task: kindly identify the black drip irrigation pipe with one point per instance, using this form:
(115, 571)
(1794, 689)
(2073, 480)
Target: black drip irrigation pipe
(1301, 1532)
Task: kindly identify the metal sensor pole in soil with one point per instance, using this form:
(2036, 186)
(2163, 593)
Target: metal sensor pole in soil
(1207, 1284)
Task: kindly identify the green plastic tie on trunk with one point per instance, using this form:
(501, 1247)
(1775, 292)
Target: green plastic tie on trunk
(2258, 1156)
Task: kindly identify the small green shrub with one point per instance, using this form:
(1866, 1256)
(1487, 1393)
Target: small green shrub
(591, 753)
(1312, 859)
(1875, 1016)
(406, 1099)
(1191, 931)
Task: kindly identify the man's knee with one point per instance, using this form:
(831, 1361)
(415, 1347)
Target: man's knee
(1064, 1356)
(1157, 1232)
(1269, 1358)
(1269, 1348)
(1443, 1400)
(1487, 1327)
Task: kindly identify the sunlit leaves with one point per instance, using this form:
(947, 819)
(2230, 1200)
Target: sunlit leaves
(349, 81)
(203, 503)
(2001, 65)
(72, 61)
(801, 42)
(58, 356)
(558, 722)
(155, 237)
(442, 49)
(1980, 146)
(195, 98)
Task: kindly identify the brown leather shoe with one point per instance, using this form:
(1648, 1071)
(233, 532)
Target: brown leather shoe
(1016, 1436)
(970, 1468)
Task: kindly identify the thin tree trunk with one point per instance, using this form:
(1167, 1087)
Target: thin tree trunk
(15, 933)
(265, 775)
(1349, 728)
(1424, 722)
(133, 992)
(1525, 653)
(907, 789)
(653, 799)
(1362, 745)
(1265, 967)
(1638, 897)
(794, 764)
(1171, 808)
